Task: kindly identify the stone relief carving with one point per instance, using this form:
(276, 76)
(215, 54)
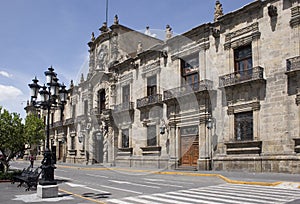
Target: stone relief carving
(242, 36)
(151, 69)
(114, 47)
(102, 57)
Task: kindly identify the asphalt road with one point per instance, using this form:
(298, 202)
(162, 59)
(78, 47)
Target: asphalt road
(96, 184)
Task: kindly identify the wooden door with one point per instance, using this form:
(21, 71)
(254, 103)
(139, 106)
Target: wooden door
(189, 150)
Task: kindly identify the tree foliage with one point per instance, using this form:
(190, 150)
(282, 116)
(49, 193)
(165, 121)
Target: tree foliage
(15, 137)
(34, 130)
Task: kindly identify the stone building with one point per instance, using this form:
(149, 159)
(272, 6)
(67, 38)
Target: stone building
(223, 95)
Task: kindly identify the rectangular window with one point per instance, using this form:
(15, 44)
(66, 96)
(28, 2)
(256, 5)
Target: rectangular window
(151, 86)
(125, 138)
(243, 125)
(86, 107)
(72, 143)
(190, 64)
(73, 111)
(101, 100)
(126, 94)
(151, 136)
(189, 71)
(243, 61)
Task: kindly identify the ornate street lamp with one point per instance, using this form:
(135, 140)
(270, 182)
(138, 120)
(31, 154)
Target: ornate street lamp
(52, 95)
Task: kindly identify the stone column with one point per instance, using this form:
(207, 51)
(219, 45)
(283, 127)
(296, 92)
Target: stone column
(202, 64)
(120, 140)
(203, 146)
(256, 125)
(173, 143)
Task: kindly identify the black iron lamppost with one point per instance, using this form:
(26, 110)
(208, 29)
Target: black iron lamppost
(53, 95)
(209, 125)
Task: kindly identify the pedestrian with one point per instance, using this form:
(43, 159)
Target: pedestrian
(31, 159)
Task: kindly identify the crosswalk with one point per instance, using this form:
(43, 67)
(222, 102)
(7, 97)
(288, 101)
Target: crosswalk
(220, 194)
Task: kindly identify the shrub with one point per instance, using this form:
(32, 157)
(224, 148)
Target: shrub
(9, 175)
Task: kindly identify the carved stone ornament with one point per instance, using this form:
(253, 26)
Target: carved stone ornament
(218, 10)
(101, 57)
(272, 11)
(242, 36)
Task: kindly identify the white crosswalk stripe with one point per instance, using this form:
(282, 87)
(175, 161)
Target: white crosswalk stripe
(220, 194)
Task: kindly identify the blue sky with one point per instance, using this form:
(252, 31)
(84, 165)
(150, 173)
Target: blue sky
(36, 34)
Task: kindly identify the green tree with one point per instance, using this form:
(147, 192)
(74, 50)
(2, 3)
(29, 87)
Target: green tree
(34, 131)
(16, 137)
(12, 139)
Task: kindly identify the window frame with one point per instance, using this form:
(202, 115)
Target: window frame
(243, 126)
(191, 77)
(152, 85)
(151, 135)
(242, 57)
(101, 100)
(126, 93)
(125, 138)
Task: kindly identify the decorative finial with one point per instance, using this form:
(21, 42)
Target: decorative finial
(82, 78)
(93, 37)
(104, 28)
(116, 20)
(140, 47)
(71, 84)
(147, 31)
(168, 32)
(218, 10)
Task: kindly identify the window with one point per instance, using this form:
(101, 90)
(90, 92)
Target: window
(151, 135)
(86, 107)
(190, 64)
(73, 111)
(101, 100)
(72, 143)
(151, 86)
(126, 94)
(125, 138)
(243, 125)
(243, 61)
(189, 71)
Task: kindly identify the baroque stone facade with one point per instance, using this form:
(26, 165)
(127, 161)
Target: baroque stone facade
(223, 96)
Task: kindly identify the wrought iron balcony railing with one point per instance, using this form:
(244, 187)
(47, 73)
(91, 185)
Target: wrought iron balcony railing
(149, 100)
(202, 85)
(124, 107)
(69, 121)
(256, 73)
(293, 64)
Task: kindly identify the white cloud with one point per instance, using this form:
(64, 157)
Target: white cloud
(5, 74)
(9, 92)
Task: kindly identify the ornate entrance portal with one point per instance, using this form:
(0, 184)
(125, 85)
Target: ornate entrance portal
(189, 148)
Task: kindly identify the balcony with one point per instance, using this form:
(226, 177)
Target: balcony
(292, 65)
(235, 78)
(127, 106)
(148, 101)
(69, 121)
(200, 86)
(57, 124)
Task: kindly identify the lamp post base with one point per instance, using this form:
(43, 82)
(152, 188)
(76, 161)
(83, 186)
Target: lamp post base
(47, 191)
(47, 183)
